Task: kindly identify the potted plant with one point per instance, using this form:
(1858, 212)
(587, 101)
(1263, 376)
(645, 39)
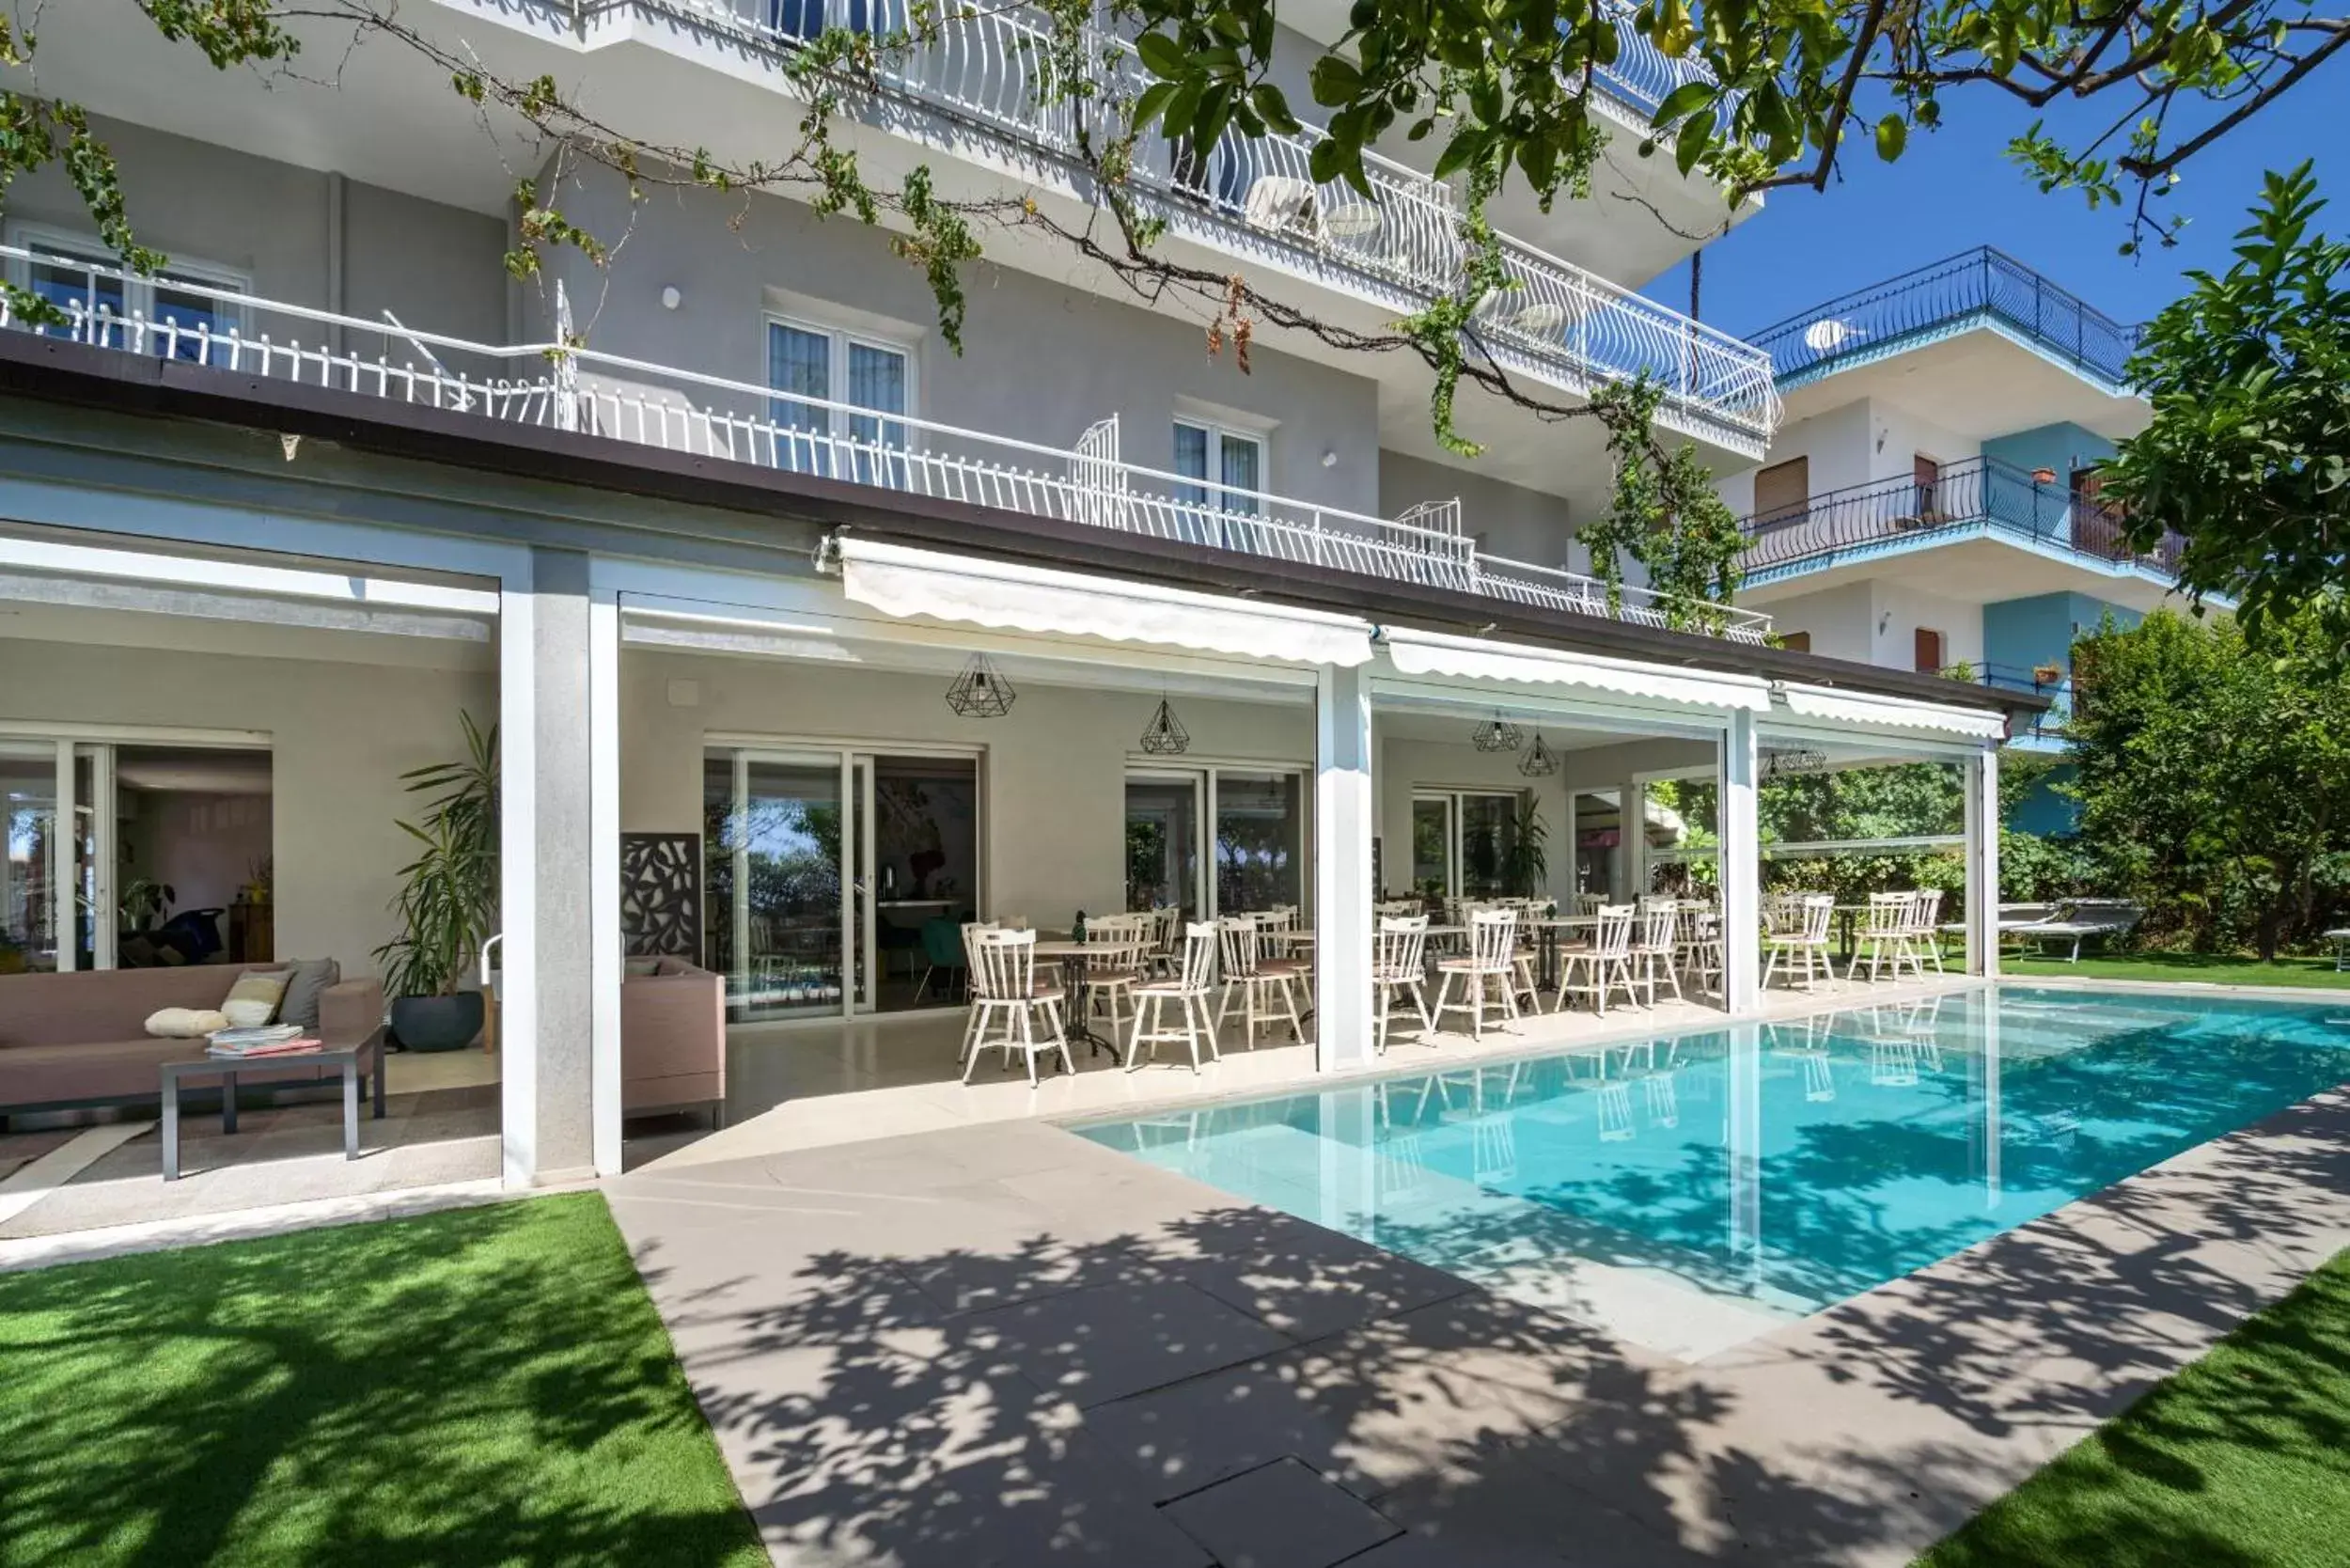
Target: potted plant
(448, 903)
(2047, 673)
(1528, 865)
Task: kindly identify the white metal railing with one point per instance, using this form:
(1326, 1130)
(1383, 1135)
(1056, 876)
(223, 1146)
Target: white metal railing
(682, 411)
(991, 66)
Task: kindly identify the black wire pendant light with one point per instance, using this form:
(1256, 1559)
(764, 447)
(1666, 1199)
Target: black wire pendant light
(1540, 762)
(1165, 735)
(980, 691)
(1496, 734)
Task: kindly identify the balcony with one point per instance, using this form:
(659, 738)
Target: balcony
(985, 72)
(604, 395)
(2043, 731)
(1978, 498)
(1975, 288)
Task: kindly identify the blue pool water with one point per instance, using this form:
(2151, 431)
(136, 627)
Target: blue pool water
(1872, 1142)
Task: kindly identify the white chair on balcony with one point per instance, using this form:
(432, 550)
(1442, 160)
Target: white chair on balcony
(1188, 990)
(1923, 929)
(1885, 937)
(1654, 950)
(1277, 202)
(1006, 990)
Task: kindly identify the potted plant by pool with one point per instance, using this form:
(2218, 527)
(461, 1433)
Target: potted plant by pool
(447, 900)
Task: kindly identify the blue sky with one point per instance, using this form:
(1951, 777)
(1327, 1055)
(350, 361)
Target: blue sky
(1955, 189)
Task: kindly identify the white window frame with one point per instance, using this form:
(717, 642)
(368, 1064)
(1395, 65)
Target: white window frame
(1207, 776)
(138, 294)
(836, 361)
(1218, 432)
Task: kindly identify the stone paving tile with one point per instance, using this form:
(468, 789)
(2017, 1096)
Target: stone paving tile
(1279, 1515)
(1109, 1342)
(1417, 1394)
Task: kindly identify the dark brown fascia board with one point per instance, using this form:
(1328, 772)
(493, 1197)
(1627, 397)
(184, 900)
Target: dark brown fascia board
(56, 371)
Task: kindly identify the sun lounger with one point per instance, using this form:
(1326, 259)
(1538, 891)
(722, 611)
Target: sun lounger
(2339, 937)
(2076, 922)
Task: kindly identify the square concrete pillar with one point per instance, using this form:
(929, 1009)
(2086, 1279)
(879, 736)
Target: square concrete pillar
(1344, 807)
(545, 997)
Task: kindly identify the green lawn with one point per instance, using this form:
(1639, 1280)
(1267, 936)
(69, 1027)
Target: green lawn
(2211, 968)
(2241, 1459)
(484, 1386)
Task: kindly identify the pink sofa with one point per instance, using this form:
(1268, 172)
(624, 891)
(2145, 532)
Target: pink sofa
(81, 1038)
(673, 1040)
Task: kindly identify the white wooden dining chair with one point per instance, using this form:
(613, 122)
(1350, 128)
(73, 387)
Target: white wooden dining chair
(1399, 962)
(1883, 937)
(1603, 967)
(1923, 929)
(1701, 953)
(1187, 991)
(1254, 980)
(1589, 903)
(1803, 944)
(973, 1013)
(1652, 951)
(1116, 952)
(1491, 957)
(1007, 989)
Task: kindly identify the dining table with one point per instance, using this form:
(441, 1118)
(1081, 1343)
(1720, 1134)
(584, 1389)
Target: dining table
(1072, 956)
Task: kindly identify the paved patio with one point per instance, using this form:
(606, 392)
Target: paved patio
(1002, 1343)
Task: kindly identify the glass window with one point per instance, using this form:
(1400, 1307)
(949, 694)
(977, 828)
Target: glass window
(1490, 865)
(1431, 848)
(1259, 821)
(799, 364)
(1207, 452)
(1163, 844)
(28, 827)
(201, 319)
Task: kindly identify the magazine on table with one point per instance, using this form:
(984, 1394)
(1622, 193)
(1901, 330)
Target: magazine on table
(262, 1040)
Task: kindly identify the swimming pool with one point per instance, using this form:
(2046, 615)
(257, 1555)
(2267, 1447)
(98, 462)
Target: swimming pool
(1689, 1192)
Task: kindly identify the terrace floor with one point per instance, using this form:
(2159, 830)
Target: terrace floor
(1001, 1342)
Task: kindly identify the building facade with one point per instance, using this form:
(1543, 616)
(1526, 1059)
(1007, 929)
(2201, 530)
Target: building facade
(725, 576)
(1931, 502)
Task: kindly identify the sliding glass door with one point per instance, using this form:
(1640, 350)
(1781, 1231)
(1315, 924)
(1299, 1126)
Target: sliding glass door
(30, 861)
(1252, 819)
(1465, 844)
(835, 877)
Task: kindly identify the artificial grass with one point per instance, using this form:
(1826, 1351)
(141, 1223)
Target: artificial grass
(488, 1385)
(2243, 1458)
(2209, 968)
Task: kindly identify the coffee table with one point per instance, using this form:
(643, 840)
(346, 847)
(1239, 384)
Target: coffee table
(226, 1070)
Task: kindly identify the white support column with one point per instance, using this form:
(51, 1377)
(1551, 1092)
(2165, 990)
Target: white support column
(544, 884)
(1739, 862)
(105, 858)
(1344, 802)
(1982, 863)
(605, 959)
(1624, 869)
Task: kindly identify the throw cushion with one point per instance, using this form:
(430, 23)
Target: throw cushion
(185, 1023)
(252, 1000)
(311, 976)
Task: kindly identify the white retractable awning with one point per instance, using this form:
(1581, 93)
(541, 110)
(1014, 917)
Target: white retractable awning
(1432, 653)
(900, 580)
(1894, 713)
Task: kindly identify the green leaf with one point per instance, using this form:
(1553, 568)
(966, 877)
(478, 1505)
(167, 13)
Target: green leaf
(1267, 100)
(1152, 104)
(1335, 82)
(1690, 145)
(1165, 57)
(1462, 151)
(1684, 99)
(1892, 132)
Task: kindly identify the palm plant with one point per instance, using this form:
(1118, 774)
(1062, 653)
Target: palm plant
(1529, 863)
(448, 903)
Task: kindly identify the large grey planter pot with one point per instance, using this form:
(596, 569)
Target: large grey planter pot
(437, 1023)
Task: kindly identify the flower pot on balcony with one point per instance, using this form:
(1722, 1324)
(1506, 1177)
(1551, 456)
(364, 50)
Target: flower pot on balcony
(2048, 675)
(2043, 476)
